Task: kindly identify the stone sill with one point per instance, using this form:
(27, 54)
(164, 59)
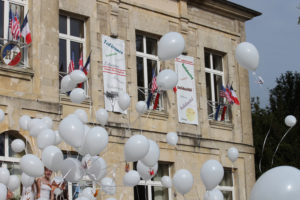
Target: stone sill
(156, 114)
(16, 72)
(221, 125)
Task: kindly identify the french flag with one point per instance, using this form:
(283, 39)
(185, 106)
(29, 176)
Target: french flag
(26, 30)
(86, 67)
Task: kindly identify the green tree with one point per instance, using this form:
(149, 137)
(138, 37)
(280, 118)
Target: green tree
(284, 100)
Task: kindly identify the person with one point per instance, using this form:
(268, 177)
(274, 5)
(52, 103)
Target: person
(44, 186)
(28, 193)
(9, 195)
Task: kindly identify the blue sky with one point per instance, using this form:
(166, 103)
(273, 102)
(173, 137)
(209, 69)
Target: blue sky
(276, 35)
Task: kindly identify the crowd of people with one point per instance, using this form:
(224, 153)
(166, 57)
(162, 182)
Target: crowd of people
(43, 189)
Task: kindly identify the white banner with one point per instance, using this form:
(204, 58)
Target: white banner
(186, 92)
(114, 71)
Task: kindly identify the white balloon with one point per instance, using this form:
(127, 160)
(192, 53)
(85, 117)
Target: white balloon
(26, 180)
(233, 154)
(102, 116)
(32, 165)
(72, 170)
(152, 156)
(58, 139)
(214, 194)
(166, 181)
(111, 198)
(2, 114)
(171, 45)
(83, 149)
(13, 183)
(46, 138)
(183, 181)
(247, 55)
(123, 100)
(81, 114)
(95, 167)
(141, 107)
(172, 138)
(77, 95)
(96, 140)
(78, 76)
(277, 184)
(88, 193)
(146, 172)
(131, 178)
(18, 145)
(36, 127)
(4, 175)
(3, 192)
(71, 130)
(108, 185)
(52, 157)
(67, 84)
(48, 121)
(167, 79)
(136, 148)
(211, 173)
(24, 122)
(290, 120)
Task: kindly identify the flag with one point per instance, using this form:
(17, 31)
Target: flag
(16, 33)
(234, 96)
(154, 84)
(226, 94)
(71, 65)
(10, 25)
(228, 91)
(222, 92)
(80, 62)
(26, 30)
(86, 67)
(217, 112)
(149, 99)
(156, 101)
(223, 113)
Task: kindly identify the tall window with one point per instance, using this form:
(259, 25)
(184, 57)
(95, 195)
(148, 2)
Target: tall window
(71, 42)
(147, 66)
(153, 189)
(18, 8)
(214, 75)
(227, 184)
(8, 158)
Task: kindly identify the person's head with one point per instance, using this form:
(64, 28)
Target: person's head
(47, 173)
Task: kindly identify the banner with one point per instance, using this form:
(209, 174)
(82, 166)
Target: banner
(114, 71)
(186, 92)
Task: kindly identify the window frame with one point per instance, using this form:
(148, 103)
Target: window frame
(229, 188)
(6, 5)
(146, 56)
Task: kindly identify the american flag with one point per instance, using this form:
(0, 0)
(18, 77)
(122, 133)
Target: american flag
(222, 92)
(71, 65)
(15, 28)
(154, 83)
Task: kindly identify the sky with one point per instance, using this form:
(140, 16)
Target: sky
(276, 35)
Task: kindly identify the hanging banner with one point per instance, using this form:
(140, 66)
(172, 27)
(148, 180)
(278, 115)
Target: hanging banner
(186, 92)
(114, 71)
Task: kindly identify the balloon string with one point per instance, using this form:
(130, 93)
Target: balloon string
(263, 147)
(279, 144)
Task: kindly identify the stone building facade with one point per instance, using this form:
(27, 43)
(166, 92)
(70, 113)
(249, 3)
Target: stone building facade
(211, 28)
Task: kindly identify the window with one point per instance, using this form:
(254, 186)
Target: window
(214, 75)
(227, 184)
(18, 8)
(71, 42)
(147, 66)
(153, 189)
(8, 158)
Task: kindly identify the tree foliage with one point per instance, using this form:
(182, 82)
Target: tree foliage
(284, 100)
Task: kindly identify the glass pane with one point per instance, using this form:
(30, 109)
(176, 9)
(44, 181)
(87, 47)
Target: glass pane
(11, 152)
(218, 85)
(159, 193)
(163, 170)
(1, 19)
(139, 43)
(2, 142)
(207, 60)
(62, 55)
(151, 68)
(227, 179)
(76, 26)
(151, 45)
(17, 11)
(227, 195)
(140, 78)
(75, 155)
(63, 24)
(78, 187)
(140, 192)
(76, 49)
(15, 169)
(217, 62)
